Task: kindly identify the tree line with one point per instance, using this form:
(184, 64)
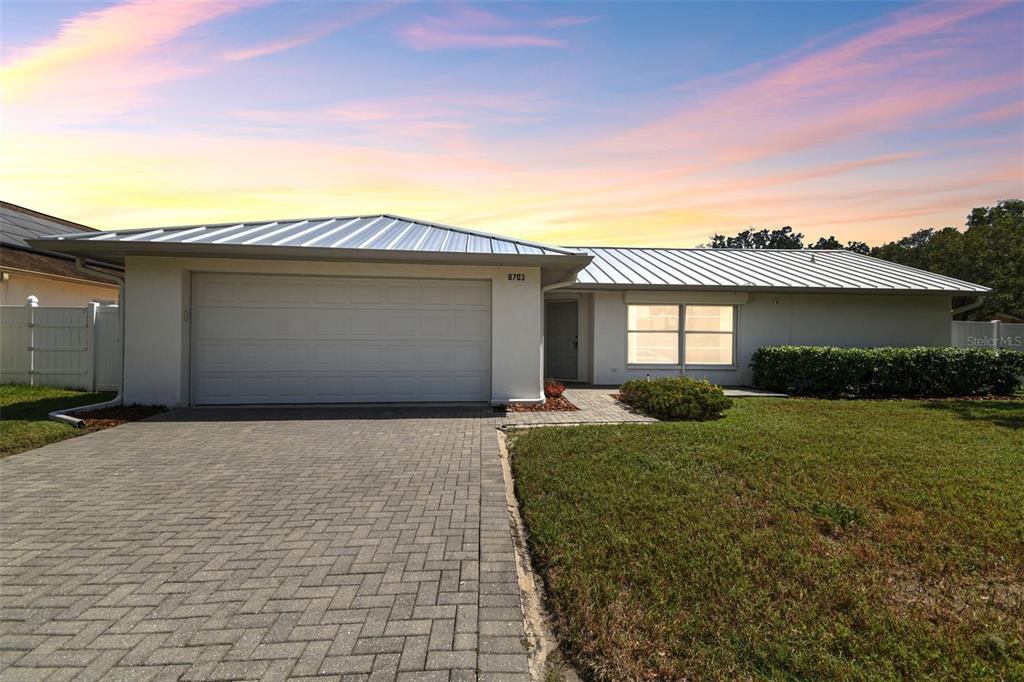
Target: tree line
(989, 251)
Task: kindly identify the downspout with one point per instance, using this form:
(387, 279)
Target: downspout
(970, 306)
(66, 416)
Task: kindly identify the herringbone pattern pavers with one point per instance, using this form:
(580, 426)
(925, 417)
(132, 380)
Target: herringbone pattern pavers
(267, 544)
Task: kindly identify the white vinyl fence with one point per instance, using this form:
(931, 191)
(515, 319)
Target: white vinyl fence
(1009, 336)
(65, 347)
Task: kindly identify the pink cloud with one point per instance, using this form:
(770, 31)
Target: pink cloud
(103, 62)
(395, 122)
(903, 73)
(471, 27)
(427, 38)
(559, 22)
(354, 14)
(1011, 110)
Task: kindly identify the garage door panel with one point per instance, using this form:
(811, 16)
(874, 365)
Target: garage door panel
(401, 326)
(333, 388)
(318, 339)
(471, 325)
(472, 297)
(438, 296)
(401, 295)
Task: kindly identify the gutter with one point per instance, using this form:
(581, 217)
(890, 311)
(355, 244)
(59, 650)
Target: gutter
(970, 306)
(66, 416)
(570, 278)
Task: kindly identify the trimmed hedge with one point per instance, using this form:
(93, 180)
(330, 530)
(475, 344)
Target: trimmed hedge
(675, 398)
(829, 372)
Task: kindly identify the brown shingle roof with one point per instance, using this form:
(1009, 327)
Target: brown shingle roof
(45, 264)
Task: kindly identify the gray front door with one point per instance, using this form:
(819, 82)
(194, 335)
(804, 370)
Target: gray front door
(561, 339)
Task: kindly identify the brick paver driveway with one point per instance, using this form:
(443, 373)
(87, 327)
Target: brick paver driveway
(269, 544)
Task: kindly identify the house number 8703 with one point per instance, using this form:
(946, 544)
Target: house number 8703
(516, 277)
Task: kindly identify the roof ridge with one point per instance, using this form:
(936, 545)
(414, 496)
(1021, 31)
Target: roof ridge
(478, 233)
(391, 216)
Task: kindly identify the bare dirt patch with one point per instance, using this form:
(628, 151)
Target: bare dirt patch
(108, 417)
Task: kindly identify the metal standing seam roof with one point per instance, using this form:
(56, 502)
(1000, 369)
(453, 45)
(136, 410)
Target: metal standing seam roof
(759, 268)
(380, 232)
(809, 270)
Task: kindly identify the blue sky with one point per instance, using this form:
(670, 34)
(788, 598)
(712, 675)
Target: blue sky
(616, 123)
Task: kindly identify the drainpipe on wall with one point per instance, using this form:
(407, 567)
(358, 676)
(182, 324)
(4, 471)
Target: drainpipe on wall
(67, 415)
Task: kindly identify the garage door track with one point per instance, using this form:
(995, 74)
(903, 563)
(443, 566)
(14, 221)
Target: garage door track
(262, 544)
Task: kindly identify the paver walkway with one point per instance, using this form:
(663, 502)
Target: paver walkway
(262, 544)
(596, 406)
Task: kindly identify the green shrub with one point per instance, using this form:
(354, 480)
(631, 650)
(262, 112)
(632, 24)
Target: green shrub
(829, 372)
(675, 398)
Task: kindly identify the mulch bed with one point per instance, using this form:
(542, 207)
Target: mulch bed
(549, 405)
(115, 416)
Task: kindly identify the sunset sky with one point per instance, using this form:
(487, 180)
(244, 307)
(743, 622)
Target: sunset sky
(575, 123)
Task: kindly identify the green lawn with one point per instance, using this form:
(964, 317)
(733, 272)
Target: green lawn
(23, 410)
(791, 539)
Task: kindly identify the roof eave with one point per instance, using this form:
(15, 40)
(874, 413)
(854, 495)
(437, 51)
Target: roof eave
(50, 253)
(557, 267)
(779, 289)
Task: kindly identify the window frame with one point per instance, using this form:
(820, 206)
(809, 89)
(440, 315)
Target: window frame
(681, 338)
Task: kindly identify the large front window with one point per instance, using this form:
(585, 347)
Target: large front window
(655, 337)
(654, 334)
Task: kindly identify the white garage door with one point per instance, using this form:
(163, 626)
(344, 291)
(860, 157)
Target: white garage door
(283, 339)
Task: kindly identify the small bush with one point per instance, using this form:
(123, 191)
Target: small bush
(553, 388)
(675, 398)
(829, 372)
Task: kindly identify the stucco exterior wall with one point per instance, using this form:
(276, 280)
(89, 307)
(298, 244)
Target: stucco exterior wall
(52, 291)
(849, 320)
(157, 327)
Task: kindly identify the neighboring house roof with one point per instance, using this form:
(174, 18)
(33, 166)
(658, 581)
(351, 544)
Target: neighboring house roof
(379, 232)
(750, 269)
(19, 224)
(43, 264)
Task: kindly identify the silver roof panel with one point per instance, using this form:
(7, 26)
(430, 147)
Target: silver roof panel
(759, 269)
(613, 267)
(379, 232)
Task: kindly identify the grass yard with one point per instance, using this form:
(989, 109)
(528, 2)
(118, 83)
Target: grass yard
(23, 410)
(791, 539)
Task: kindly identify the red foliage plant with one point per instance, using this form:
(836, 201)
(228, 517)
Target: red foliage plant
(553, 388)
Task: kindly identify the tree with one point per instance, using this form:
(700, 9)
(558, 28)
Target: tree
(858, 247)
(831, 242)
(780, 238)
(990, 252)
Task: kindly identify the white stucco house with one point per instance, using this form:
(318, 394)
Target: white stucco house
(388, 309)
